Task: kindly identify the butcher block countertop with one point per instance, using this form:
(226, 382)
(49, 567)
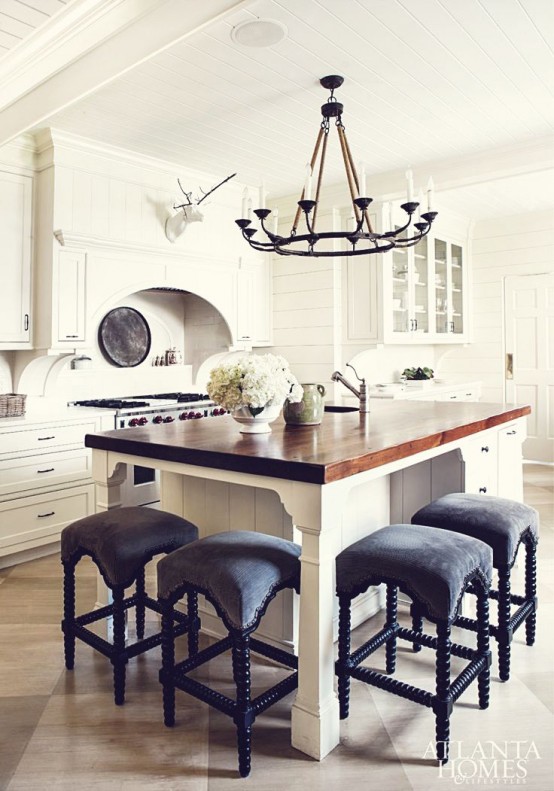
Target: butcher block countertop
(343, 445)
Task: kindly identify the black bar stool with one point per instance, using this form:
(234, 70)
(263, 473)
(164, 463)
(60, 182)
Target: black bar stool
(435, 572)
(120, 542)
(504, 525)
(239, 573)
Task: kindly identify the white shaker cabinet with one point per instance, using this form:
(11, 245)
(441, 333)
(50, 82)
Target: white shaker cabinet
(69, 297)
(425, 292)
(15, 260)
(254, 302)
(45, 481)
(415, 295)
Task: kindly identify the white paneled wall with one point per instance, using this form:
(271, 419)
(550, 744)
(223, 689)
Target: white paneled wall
(522, 244)
(305, 299)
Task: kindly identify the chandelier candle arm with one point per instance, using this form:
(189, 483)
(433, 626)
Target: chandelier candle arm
(360, 242)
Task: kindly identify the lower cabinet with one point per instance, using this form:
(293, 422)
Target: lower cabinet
(30, 522)
(489, 463)
(45, 482)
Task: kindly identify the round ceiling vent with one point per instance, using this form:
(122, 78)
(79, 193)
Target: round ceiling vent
(259, 33)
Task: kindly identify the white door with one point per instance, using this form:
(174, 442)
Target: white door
(529, 369)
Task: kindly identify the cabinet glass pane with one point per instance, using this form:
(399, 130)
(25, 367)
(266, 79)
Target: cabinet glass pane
(441, 286)
(400, 301)
(421, 287)
(457, 264)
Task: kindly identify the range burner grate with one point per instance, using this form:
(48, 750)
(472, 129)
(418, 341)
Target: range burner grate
(181, 398)
(111, 403)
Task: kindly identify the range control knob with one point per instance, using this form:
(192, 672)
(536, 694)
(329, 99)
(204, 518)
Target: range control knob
(158, 419)
(142, 421)
(169, 419)
(184, 416)
(198, 414)
(191, 415)
(134, 422)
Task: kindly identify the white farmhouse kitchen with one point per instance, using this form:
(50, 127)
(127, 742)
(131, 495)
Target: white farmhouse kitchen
(197, 200)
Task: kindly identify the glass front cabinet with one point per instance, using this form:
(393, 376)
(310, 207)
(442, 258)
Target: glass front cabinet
(416, 295)
(425, 292)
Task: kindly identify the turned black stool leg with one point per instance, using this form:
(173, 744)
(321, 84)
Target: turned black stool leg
(68, 624)
(392, 622)
(140, 609)
(504, 633)
(119, 658)
(243, 715)
(192, 611)
(417, 625)
(483, 646)
(443, 699)
(531, 589)
(343, 656)
(168, 664)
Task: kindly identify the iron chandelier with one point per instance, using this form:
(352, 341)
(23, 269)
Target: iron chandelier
(358, 241)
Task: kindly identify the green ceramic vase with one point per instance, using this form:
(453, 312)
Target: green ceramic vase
(309, 411)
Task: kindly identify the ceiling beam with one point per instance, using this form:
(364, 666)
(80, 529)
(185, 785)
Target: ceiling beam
(86, 46)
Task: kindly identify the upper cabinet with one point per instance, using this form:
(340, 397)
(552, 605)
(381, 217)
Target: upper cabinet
(254, 302)
(450, 288)
(15, 257)
(69, 297)
(414, 295)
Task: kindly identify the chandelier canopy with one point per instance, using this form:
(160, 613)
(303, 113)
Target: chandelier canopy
(361, 239)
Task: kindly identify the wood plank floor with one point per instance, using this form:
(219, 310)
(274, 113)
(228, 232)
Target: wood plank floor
(61, 730)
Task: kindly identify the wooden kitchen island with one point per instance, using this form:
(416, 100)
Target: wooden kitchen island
(334, 483)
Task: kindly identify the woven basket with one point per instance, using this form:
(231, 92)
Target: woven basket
(12, 405)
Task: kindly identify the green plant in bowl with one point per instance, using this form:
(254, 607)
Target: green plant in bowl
(418, 374)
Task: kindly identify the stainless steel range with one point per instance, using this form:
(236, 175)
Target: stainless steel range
(142, 484)
(140, 410)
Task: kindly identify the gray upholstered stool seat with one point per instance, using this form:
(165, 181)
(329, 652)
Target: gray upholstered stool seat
(120, 542)
(239, 573)
(504, 525)
(435, 569)
(426, 564)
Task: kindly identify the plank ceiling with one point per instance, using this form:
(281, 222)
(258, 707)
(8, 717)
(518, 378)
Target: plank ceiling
(20, 18)
(425, 80)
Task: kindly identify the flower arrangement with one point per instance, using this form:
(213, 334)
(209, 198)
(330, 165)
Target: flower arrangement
(253, 381)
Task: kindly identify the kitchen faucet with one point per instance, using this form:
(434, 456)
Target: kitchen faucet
(362, 393)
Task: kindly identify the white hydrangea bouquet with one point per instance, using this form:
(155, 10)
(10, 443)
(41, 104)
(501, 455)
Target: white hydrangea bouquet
(253, 381)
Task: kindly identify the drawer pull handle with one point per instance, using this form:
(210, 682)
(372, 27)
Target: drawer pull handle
(71, 336)
(454, 396)
(485, 449)
(482, 490)
(43, 516)
(41, 439)
(511, 433)
(50, 469)
(469, 394)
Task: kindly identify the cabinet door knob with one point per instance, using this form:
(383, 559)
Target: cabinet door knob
(482, 490)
